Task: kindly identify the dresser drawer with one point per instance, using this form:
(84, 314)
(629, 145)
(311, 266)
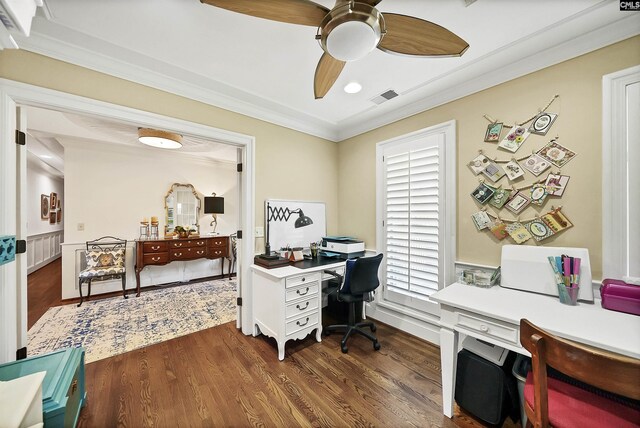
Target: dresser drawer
(154, 247)
(217, 242)
(188, 243)
(187, 253)
(216, 252)
(303, 291)
(299, 323)
(493, 328)
(295, 309)
(295, 281)
(156, 258)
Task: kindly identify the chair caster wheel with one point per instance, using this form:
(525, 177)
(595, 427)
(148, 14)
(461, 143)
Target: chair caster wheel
(326, 333)
(373, 328)
(344, 349)
(376, 346)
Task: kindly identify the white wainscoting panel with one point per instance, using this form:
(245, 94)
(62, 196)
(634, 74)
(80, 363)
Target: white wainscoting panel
(43, 248)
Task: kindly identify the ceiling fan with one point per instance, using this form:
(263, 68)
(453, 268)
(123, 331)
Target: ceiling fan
(351, 30)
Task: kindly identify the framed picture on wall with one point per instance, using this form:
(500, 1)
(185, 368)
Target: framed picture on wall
(44, 207)
(493, 133)
(52, 217)
(59, 215)
(53, 199)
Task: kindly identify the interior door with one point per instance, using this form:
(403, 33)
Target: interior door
(13, 275)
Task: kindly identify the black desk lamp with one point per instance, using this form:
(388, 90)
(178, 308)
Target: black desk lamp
(282, 214)
(214, 205)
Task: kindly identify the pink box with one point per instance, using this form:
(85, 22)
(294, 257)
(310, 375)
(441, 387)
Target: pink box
(619, 296)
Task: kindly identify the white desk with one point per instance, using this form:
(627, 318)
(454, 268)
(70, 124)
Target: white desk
(287, 302)
(494, 314)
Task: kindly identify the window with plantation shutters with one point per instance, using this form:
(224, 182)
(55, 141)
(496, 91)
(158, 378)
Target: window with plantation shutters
(414, 235)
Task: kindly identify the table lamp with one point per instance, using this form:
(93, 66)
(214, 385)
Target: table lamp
(214, 205)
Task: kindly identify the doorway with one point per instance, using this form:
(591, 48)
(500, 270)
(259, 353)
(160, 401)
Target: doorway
(13, 336)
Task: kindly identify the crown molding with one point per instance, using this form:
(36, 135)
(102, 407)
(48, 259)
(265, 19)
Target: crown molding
(132, 66)
(562, 41)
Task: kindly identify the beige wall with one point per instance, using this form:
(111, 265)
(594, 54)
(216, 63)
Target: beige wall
(287, 161)
(579, 126)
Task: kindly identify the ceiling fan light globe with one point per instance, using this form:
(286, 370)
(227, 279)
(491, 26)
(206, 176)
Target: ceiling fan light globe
(351, 41)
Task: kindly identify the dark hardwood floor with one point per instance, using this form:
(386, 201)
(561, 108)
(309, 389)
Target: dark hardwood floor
(220, 378)
(44, 290)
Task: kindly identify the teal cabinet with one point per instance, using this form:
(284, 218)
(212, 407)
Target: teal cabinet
(63, 389)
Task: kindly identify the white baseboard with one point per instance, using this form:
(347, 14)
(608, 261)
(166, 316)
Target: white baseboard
(420, 328)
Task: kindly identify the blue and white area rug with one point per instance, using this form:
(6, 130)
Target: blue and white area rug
(115, 325)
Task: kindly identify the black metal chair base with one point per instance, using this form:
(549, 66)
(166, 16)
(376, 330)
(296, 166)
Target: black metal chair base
(351, 329)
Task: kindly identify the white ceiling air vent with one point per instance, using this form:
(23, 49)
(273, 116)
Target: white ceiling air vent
(384, 97)
(15, 19)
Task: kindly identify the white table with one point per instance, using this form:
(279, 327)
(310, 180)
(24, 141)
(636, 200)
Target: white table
(287, 302)
(494, 314)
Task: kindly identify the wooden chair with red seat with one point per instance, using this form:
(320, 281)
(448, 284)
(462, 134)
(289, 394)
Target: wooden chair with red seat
(552, 402)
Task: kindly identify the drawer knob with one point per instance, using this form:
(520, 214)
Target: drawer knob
(302, 294)
(74, 386)
(484, 328)
(178, 254)
(155, 259)
(177, 244)
(305, 306)
(304, 279)
(155, 248)
(305, 323)
(200, 252)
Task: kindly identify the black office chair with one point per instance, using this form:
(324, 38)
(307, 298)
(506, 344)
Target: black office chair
(358, 286)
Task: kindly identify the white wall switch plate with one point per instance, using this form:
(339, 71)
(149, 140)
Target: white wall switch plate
(259, 232)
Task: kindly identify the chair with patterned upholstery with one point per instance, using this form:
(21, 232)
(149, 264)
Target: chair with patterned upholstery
(105, 259)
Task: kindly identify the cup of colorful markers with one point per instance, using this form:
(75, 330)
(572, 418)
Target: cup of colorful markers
(567, 275)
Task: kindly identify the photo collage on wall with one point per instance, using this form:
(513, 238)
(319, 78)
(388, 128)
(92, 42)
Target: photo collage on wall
(495, 193)
(51, 208)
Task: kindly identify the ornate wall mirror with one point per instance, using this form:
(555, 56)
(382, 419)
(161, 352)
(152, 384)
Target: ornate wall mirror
(181, 207)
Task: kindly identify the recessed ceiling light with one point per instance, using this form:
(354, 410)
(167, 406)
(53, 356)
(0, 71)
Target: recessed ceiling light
(353, 88)
(160, 139)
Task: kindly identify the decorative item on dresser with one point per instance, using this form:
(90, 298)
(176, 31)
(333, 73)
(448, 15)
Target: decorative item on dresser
(164, 251)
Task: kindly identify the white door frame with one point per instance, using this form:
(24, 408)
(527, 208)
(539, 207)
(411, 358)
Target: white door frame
(15, 93)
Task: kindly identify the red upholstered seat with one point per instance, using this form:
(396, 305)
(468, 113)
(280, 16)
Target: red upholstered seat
(570, 406)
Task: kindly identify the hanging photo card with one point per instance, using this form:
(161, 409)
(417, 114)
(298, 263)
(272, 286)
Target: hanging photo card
(542, 122)
(556, 153)
(536, 164)
(538, 194)
(483, 193)
(556, 221)
(517, 203)
(513, 170)
(556, 184)
(514, 139)
(479, 164)
(500, 197)
(481, 220)
(499, 229)
(518, 232)
(493, 133)
(539, 230)
(494, 172)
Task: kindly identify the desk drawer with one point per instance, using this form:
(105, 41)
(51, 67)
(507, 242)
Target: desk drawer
(492, 328)
(305, 321)
(156, 258)
(295, 281)
(297, 308)
(154, 247)
(187, 253)
(303, 291)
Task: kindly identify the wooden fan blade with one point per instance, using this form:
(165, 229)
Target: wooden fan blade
(302, 12)
(409, 35)
(327, 73)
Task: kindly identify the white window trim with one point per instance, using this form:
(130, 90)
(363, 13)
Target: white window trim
(448, 129)
(614, 171)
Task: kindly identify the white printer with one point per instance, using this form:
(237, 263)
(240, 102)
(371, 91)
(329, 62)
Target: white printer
(343, 246)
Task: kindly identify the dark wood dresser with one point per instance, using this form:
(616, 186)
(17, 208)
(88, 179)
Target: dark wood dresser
(164, 251)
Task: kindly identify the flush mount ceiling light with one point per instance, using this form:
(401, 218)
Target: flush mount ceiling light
(352, 88)
(160, 139)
